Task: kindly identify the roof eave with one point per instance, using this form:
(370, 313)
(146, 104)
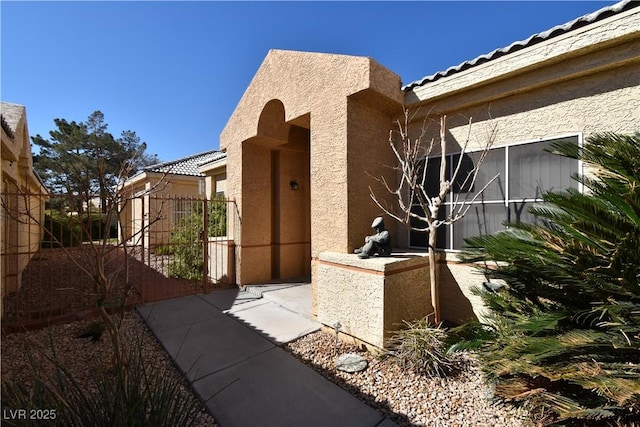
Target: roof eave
(569, 29)
(617, 28)
(216, 164)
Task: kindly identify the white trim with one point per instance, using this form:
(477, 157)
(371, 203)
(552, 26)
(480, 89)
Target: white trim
(507, 190)
(515, 144)
(580, 163)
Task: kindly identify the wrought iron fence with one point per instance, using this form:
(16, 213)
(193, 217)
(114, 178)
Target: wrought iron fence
(59, 264)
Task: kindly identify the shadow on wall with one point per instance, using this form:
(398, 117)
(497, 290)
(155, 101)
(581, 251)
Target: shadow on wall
(455, 304)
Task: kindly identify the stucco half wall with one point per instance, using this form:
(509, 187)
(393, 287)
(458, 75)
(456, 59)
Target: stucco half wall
(311, 119)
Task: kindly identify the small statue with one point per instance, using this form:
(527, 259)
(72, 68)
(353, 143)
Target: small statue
(377, 244)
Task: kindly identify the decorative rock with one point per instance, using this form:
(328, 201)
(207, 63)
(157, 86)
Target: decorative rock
(351, 362)
(406, 397)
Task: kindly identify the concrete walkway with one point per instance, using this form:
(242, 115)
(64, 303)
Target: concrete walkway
(227, 344)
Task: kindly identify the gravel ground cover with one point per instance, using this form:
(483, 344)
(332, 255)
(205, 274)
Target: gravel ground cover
(82, 356)
(404, 396)
(408, 398)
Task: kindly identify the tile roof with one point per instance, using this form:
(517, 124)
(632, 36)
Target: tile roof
(558, 30)
(187, 165)
(10, 117)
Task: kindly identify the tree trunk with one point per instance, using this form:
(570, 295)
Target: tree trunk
(433, 275)
(118, 357)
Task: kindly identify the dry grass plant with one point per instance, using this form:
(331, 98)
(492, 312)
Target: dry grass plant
(423, 348)
(130, 392)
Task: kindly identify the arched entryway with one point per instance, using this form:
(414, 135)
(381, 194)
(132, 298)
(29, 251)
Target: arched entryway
(277, 197)
(298, 145)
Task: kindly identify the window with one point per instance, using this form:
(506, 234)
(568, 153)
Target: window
(220, 184)
(526, 171)
(182, 210)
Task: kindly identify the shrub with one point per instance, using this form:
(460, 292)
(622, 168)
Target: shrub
(567, 325)
(164, 250)
(94, 330)
(132, 393)
(422, 348)
(61, 229)
(66, 230)
(186, 240)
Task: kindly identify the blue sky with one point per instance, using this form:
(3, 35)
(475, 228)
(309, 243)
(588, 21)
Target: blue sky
(174, 71)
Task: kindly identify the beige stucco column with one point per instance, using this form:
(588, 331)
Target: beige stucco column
(321, 121)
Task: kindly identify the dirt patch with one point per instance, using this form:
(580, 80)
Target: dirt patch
(59, 282)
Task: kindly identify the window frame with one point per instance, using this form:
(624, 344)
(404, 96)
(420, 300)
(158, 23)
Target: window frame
(507, 199)
(178, 210)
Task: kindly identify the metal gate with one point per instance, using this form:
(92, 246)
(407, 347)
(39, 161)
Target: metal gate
(183, 244)
(59, 264)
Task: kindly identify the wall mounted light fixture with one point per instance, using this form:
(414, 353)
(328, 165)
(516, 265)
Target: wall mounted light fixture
(294, 185)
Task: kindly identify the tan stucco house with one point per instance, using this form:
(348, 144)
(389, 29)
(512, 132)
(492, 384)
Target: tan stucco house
(311, 130)
(23, 199)
(157, 200)
(166, 189)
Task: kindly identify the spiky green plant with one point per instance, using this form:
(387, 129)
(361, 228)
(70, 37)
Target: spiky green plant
(566, 328)
(422, 347)
(186, 245)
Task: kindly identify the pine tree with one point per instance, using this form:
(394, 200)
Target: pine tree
(84, 161)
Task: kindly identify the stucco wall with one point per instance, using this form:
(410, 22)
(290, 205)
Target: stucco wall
(293, 210)
(23, 203)
(458, 303)
(311, 91)
(371, 298)
(369, 159)
(255, 213)
(221, 266)
(583, 82)
(605, 101)
(303, 83)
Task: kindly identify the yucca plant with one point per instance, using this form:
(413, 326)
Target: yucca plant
(566, 327)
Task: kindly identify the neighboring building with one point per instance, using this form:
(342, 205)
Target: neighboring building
(23, 199)
(167, 190)
(312, 128)
(215, 173)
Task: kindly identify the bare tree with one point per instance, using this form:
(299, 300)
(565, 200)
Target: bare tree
(103, 260)
(412, 156)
